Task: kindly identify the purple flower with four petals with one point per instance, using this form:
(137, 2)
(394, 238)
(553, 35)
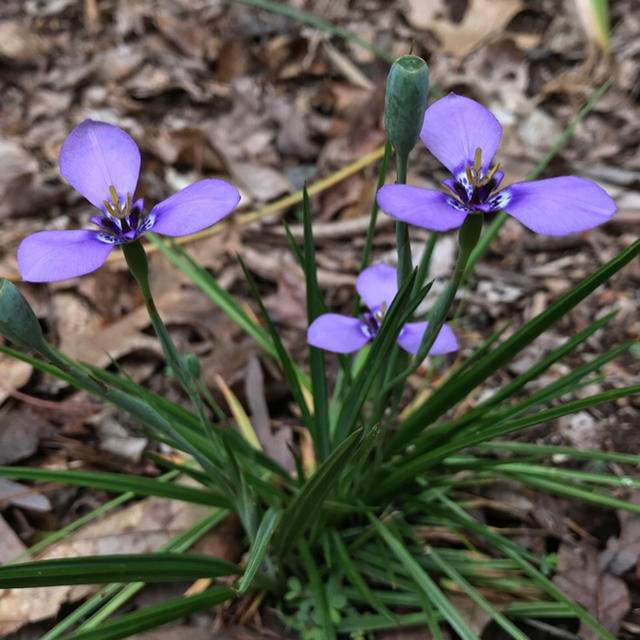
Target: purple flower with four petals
(377, 286)
(102, 162)
(465, 136)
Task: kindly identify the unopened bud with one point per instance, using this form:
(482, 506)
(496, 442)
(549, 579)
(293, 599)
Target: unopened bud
(405, 102)
(18, 322)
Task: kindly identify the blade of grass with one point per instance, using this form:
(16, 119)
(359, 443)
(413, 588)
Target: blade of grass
(155, 615)
(148, 567)
(118, 482)
(304, 507)
(465, 586)
(266, 529)
(517, 554)
(315, 307)
(423, 581)
(317, 589)
(452, 392)
(318, 23)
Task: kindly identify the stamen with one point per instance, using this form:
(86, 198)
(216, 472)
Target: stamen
(128, 203)
(492, 172)
(114, 196)
(470, 176)
(110, 211)
(477, 161)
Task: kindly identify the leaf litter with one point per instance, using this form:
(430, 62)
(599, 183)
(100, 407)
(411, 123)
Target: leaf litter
(222, 90)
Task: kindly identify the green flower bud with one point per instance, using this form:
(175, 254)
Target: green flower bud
(18, 322)
(405, 102)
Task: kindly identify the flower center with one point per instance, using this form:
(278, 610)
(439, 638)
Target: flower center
(122, 223)
(373, 320)
(115, 208)
(475, 175)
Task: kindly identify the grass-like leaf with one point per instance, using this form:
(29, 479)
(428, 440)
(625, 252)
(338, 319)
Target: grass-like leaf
(148, 567)
(424, 581)
(452, 392)
(119, 482)
(304, 507)
(156, 615)
(266, 528)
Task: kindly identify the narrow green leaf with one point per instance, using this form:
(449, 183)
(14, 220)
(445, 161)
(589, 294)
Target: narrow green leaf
(156, 615)
(287, 364)
(318, 23)
(304, 507)
(350, 570)
(148, 567)
(118, 482)
(518, 555)
(315, 307)
(450, 393)
(422, 579)
(400, 311)
(267, 526)
(474, 595)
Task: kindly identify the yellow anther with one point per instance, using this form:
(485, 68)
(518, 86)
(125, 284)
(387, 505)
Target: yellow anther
(128, 210)
(470, 175)
(114, 197)
(477, 161)
(107, 206)
(383, 307)
(492, 172)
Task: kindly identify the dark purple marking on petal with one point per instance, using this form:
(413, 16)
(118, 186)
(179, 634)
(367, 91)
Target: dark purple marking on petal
(48, 256)
(559, 206)
(97, 155)
(337, 333)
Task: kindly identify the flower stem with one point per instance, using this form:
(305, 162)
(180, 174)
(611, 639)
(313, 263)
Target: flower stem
(137, 262)
(467, 240)
(402, 229)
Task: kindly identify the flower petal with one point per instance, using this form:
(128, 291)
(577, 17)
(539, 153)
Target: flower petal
(48, 256)
(455, 126)
(558, 206)
(194, 208)
(425, 208)
(337, 333)
(411, 336)
(97, 155)
(377, 284)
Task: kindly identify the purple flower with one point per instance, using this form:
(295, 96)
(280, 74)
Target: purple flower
(377, 287)
(465, 136)
(103, 162)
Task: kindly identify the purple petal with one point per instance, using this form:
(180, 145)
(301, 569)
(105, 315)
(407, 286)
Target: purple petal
(48, 256)
(97, 155)
(411, 336)
(377, 284)
(454, 127)
(337, 333)
(558, 206)
(426, 208)
(196, 207)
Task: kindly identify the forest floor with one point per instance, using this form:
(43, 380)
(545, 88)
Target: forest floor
(218, 89)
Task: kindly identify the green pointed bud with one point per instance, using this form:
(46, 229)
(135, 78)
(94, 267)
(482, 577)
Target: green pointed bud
(18, 322)
(193, 364)
(405, 102)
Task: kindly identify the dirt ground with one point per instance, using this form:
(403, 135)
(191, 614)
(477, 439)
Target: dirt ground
(218, 89)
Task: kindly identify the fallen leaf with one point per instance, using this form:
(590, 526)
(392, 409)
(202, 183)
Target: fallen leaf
(11, 545)
(139, 528)
(603, 595)
(482, 19)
